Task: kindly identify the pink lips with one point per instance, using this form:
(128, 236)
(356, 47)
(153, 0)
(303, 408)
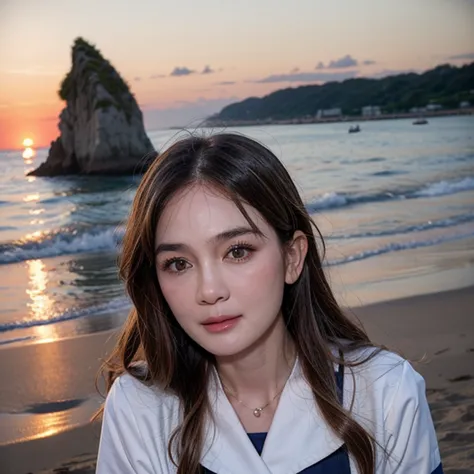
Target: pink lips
(221, 323)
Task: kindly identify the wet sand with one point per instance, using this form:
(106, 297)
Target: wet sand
(48, 390)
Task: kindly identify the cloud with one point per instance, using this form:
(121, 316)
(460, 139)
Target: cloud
(225, 83)
(468, 56)
(308, 77)
(207, 70)
(341, 63)
(184, 114)
(295, 70)
(368, 62)
(346, 61)
(157, 76)
(181, 71)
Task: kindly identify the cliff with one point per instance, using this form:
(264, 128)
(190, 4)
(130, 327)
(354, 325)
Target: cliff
(101, 127)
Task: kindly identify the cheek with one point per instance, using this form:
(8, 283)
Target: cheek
(261, 280)
(178, 293)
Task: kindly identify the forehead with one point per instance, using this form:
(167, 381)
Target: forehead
(199, 212)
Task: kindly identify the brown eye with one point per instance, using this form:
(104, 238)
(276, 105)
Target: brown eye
(238, 253)
(175, 265)
(180, 265)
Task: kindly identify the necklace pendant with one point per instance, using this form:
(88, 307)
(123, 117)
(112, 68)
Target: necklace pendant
(257, 412)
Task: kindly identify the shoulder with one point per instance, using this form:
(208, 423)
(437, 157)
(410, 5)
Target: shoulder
(137, 424)
(382, 380)
(131, 392)
(148, 407)
(371, 365)
(389, 400)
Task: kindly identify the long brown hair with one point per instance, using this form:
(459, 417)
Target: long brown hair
(247, 172)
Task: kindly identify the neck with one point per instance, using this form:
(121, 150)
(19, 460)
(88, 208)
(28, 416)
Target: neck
(259, 373)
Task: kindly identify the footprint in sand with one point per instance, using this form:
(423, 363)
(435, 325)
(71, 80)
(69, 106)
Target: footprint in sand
(461, 378)
(469, 416)
(459, 437)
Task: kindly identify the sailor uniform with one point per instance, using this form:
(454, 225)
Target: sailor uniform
(389, 402)
(337, 462)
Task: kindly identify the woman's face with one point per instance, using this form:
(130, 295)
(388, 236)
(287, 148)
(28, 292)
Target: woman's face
(223, 283)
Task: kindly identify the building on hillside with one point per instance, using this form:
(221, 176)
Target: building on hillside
(417, 110)
(371, 111)
(329, 113)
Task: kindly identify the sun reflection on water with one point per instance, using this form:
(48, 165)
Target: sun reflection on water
(35, 212)
(65, 415)
(31, 197)
(28, 153)
(42, 305)
(46, 333)
(33, 236)
(50, 424)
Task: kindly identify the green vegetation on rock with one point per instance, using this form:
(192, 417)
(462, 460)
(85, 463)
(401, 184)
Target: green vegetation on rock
(65, 87)
(97, 70)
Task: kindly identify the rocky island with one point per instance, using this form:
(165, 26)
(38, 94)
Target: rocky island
(101, 127)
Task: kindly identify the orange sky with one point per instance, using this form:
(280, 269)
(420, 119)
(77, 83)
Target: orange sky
(242, 42)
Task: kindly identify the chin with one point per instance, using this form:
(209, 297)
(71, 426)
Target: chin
(229, 345)
(222, 345)
(224, 349)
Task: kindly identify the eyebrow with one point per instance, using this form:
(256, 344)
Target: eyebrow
(221, 237)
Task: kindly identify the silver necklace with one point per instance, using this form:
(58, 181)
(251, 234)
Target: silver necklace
(258, 410)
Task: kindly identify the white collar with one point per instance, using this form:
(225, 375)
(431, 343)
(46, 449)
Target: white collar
(298, 437)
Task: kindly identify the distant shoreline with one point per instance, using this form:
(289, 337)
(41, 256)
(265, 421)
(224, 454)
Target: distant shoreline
(210, 123)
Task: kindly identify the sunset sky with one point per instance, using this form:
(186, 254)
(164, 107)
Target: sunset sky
(187, 59)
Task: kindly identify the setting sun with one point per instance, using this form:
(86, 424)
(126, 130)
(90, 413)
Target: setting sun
(27, 142)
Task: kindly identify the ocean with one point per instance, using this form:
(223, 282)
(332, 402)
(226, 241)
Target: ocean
(394, 202)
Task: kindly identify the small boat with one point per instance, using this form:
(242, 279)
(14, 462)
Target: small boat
(355, 129)
(420, 121)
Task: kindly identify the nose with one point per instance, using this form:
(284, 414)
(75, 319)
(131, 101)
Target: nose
(211, 287)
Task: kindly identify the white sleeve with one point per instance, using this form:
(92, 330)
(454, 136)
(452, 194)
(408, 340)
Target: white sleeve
(412, 446)
(121, 448)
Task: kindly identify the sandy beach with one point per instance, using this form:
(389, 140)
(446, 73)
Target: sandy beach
(48, 391)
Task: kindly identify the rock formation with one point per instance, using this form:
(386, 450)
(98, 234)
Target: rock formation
(101, 127)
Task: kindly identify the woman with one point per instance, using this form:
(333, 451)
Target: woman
(236, 358)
